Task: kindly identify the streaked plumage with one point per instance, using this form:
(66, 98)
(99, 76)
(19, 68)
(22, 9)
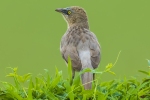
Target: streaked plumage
(79, 43)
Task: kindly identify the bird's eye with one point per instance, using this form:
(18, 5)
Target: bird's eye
(69, 12)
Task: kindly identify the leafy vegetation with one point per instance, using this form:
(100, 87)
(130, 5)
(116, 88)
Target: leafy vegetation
(45, 87)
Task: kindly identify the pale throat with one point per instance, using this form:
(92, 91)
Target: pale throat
(81, 24)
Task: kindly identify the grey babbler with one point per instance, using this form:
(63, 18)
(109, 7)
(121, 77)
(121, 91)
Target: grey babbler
(79, 43)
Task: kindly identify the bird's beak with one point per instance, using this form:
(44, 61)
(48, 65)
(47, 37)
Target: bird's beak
(59, 10)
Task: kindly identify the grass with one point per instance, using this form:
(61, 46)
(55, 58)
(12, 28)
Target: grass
(45, 87)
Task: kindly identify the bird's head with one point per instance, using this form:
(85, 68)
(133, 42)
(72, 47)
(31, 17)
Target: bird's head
(74, 15)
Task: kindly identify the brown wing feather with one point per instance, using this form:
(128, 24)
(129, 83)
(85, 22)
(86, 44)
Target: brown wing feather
(69, 44)
(69, 49)
(95, 50)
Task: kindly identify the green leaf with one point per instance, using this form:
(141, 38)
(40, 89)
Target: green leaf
(96, 71)
(109, 66)
(11, 75)
(37, 83)
(20, 79)
(148, 62)
(101, 96)
(56, 71)
(69, 69)
(76, 80)
(12, 90)
(85, 70)
(84, 97)
(30, 90)
(15, 69)
(112, 72)
(144, 72)
(87, 92)
(69, 90)
(56, 79)
(46, 70)
(144, 91)
(27, 76)
(52, 96)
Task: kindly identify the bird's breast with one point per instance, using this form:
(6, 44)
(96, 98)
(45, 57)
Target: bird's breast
(75, 35)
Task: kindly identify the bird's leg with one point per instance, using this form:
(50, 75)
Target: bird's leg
(93, 76)
(73, 73)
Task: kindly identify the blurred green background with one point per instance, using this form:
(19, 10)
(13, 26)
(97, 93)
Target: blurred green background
(30, 33)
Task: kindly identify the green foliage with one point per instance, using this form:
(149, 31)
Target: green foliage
(45, 87)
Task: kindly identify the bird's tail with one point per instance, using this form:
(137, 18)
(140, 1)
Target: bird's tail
(87, 79)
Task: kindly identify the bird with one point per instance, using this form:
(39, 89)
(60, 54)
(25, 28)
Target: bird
(80, 44)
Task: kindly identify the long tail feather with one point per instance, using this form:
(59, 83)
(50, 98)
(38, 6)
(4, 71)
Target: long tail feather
(87, 79)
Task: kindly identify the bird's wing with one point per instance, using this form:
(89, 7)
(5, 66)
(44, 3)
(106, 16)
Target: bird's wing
(68, 49)
(95, 50)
